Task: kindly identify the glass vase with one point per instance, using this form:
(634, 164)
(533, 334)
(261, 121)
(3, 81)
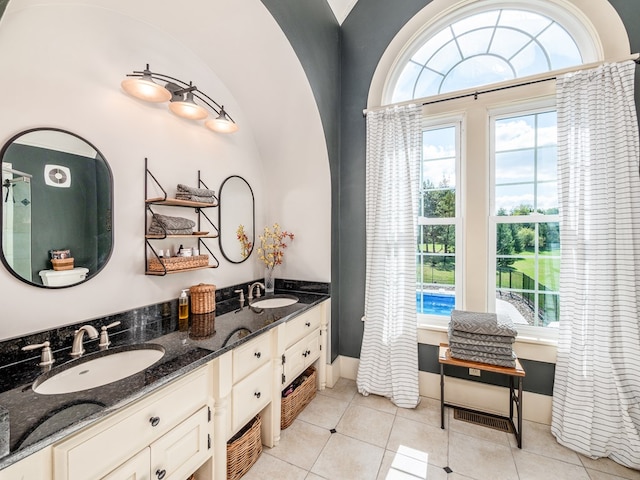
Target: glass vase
(269, 280)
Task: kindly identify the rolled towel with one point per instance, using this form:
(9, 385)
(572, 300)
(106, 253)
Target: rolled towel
(200, 192)
(172, 223)
(483, 323)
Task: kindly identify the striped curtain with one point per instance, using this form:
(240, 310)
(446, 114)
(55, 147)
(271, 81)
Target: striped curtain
(596, 398)
(389, 353)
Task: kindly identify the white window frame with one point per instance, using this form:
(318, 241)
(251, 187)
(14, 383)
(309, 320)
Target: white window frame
(431, 123)
(541, 105)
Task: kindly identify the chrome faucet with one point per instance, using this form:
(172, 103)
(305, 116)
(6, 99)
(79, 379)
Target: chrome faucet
(240, 299)
(77, 349)
(251, 287)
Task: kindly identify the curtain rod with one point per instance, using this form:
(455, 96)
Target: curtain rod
(635, 57)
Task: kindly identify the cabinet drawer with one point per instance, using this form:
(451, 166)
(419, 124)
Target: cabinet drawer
(95, 451)
(248, 357)
(251, 395)
(302, 325)
(300, 356)
(136, 468)
(181, 451)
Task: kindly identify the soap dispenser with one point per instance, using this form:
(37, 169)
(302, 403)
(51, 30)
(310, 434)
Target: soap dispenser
(183, 312)
(183, 305)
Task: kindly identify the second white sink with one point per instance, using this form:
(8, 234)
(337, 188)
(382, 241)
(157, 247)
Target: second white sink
(276, 301)
(97, 370)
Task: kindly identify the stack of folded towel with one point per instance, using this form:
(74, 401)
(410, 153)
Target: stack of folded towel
(165, 225)
(195, 194)
(482, 337)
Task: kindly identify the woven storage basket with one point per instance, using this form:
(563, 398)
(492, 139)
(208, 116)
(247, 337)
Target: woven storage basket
(203, 325)
(203, 298)
(244, 449)
(62, 263)
(295, 402)
(177, 263)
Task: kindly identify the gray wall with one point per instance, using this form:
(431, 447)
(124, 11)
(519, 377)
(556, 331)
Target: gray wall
(364, 36)
(314, 34)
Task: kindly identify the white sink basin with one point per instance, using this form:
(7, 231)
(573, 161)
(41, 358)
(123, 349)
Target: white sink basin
(276, 301)
(97, 370)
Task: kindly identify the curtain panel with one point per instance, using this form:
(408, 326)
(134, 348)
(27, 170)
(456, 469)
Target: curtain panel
(389, 353)
(596, 399)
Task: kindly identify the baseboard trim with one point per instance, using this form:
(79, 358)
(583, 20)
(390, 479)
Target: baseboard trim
(468, 394)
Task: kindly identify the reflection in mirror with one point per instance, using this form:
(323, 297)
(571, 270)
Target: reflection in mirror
(56, 196)
(236, 208)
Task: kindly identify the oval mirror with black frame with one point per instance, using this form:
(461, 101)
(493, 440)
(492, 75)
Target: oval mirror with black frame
(57, 201)
(236, 208)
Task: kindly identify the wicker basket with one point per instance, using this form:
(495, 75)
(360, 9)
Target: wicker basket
(203, 298)
(244, 449)
(177, 263)
(295, 402)
(62, 263)
(203, 325)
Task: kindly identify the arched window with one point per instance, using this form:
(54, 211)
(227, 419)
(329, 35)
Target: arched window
(488, 220)
(487, 47)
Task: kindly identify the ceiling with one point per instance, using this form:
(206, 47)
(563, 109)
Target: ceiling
(341, 8)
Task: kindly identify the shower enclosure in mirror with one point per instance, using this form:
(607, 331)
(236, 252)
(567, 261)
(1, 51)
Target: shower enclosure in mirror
(56, 196)
(236, 207)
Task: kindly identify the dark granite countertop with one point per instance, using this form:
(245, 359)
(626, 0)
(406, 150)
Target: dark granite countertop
(40, 420)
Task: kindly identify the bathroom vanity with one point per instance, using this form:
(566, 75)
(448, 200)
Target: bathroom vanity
(175, 417)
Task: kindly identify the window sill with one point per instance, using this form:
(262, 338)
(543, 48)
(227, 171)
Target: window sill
(531, 343)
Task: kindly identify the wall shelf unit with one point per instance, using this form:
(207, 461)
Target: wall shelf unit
(160, 266)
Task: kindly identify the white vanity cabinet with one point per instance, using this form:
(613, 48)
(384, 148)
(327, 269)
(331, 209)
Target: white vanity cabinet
(35, 466)
(166, 435)
(302, 344)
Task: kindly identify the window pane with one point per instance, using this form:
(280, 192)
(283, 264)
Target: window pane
(489, 47)
(510, 197)
(528, 271)
(436, 248)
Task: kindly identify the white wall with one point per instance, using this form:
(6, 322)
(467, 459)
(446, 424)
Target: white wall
(61, 64)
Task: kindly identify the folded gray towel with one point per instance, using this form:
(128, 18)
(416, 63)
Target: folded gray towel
(506, 339)
(484, 323)
(195, 198)
(470, 348)
(492, 361)
(172, 223)
(200, 192)
(168, 231)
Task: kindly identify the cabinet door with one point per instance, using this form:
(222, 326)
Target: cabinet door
(35, 466)
(136, 468)
(180, 452)
(251, 395)
(300, 356)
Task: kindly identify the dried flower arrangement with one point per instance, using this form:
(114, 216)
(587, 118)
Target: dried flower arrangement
(272, 245)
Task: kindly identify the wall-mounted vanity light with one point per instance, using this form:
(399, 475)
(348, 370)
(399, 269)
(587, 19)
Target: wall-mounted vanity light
(181, 97)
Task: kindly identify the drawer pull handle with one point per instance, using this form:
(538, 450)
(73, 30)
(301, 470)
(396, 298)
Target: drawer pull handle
(307, 353)
(258, 354)
(161, 474)
(257, 394)
(308, 324)
(154, 421)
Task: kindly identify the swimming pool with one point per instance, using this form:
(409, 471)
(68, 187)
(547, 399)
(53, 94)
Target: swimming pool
(433, 303)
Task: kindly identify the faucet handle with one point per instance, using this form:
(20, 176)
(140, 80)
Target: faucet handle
(46, 358)
(104, 335)
(241, 292)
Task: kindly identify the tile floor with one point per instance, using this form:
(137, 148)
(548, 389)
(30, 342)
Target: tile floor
(369, 431)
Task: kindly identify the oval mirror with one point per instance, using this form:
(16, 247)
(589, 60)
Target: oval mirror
(236, 209)
(56, 208)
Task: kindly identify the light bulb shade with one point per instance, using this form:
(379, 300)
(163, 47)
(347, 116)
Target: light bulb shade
(221, 124)
(187, 108)
(145, 89)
